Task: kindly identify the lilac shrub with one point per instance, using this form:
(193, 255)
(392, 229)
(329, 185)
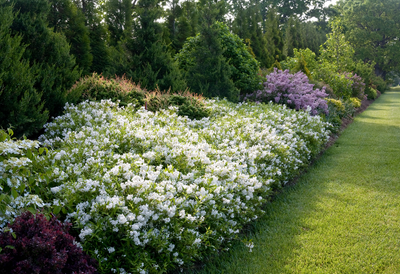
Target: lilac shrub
(358, 86)
(293, 90)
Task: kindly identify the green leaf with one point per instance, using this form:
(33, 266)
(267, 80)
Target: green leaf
(41, 150)
(22, 188)
(10, 247)
(31, 210)
(64, 210)
(14, 235)
(14, 193)
(10, 132)
(56, 210)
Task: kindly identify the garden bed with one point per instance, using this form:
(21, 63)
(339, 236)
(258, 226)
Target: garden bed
(150, 192)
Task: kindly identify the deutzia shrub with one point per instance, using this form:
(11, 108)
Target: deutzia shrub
(293, 90)
(21, 174)
(150, 192)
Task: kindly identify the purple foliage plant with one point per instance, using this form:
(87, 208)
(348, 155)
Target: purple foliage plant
(293, 90)
(33, 244)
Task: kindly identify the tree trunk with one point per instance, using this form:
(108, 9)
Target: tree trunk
(380, 72)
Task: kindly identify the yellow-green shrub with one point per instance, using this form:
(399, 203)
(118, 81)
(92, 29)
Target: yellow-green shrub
(356, 102)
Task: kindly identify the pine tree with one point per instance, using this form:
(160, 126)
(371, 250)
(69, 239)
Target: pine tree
(55, 67)
(65, 17)
(152, 64)
(20, 103)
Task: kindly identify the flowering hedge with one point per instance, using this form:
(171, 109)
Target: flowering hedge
(293, 90)
(150, 192)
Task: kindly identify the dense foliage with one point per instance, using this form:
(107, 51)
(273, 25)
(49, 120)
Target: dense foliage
(153, 191)
(33, 244)
(20, 102)
(242, 65)
(123, 91)
(373, 28)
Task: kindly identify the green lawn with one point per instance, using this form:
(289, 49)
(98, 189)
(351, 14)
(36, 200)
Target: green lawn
(343, 215)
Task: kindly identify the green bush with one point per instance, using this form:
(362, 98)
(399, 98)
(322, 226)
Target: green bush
(243, 66)
(300, 56)
(188, 104)
(21, 106)
(371, 93)
(356, 102)
(379, 83)
(341, 83)
(47, 51)
(95, 87)
(338, 110)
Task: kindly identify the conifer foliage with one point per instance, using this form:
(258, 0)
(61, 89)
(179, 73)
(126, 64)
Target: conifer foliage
(47, 51)
(152, 65)
(20, 102)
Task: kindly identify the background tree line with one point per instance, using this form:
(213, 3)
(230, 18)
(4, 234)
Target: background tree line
(47, 45)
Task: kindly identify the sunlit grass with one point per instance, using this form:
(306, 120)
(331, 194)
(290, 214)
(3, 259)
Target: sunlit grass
(343, 215)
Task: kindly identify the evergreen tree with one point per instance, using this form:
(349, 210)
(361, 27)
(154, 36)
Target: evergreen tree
(293, 36)
(273, 36)
(248, 25)
(152, 64)
(65, 17)
(211, 73)
(56, 68)
(313, 37)
(181, 22)
(20, 103)
(119, 20)
(102, 61)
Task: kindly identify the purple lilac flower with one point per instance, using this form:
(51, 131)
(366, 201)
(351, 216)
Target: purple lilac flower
(293, 90)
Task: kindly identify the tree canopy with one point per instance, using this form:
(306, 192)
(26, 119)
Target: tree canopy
(373, 28)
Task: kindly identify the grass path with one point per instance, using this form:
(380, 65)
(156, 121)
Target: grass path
(343, 216)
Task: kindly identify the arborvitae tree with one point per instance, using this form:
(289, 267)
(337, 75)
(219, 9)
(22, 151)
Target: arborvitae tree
(152, 64)
(243, 65)
(119, 20)
(240, 10)
(56, 67)
(65, 17)
(274, 36)
(20, 104)
(313, 37)
(181, 22)
(293, 36)
(258, 40)
(97, 33)
(211, 73)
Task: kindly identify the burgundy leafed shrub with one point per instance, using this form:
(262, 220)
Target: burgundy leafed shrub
(293, 90)
(42, 246)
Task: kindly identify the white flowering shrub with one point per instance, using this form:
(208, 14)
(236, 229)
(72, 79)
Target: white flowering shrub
(150, 192)
(19, 186)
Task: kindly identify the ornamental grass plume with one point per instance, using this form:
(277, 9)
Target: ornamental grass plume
(293, 90)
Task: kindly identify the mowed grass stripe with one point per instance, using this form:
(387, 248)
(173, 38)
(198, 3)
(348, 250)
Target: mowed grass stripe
(343, 215)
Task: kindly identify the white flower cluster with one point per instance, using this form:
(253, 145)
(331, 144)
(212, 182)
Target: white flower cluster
(157, 190)
(14, 166)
